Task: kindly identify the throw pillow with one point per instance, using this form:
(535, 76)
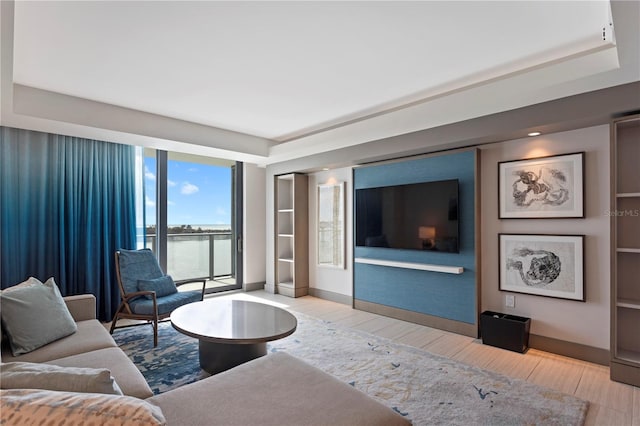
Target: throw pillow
(163, 286)
(28, 375)
(26, 283)
(29, 282)
(32, 406)
(35, 315)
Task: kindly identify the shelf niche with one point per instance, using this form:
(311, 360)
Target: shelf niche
(625, 250)
(291, 239)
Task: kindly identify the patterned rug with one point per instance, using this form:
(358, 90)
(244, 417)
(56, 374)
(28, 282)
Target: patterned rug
(426, 388)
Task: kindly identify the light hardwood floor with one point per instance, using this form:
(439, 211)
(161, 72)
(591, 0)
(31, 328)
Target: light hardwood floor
(611, 403)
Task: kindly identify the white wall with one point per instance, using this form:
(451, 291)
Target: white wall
(325, 278)
(584, 323)
(255, 218)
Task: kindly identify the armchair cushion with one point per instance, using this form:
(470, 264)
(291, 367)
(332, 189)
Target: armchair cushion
(166, 304)
(34, 315)
(163, 286)
(137, 265)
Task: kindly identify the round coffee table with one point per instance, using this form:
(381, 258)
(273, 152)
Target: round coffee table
(231, 332)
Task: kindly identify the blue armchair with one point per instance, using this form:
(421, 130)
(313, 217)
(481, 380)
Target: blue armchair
(146, 292)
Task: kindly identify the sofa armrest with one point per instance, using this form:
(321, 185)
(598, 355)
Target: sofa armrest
(82, 307)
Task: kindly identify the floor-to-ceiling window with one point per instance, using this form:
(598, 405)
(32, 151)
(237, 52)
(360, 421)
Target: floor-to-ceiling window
(193, 217)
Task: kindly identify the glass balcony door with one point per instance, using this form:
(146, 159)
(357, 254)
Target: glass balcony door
(194, 217)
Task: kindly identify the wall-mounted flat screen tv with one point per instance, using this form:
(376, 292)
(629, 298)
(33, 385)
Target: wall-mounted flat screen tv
(419, 216)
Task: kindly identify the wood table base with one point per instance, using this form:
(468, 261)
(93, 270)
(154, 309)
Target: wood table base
(218, 357)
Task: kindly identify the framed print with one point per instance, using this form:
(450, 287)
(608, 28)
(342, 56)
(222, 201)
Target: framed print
(544, 265)
(545, 187)
(330, 225)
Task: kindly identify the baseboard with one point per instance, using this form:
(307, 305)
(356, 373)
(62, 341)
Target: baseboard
(459, 327)
(253, 286)
(543, 343)
(547, 344)
(331, 295)
(570, 349)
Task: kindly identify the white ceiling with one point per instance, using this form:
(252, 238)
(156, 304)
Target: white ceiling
(300, 72)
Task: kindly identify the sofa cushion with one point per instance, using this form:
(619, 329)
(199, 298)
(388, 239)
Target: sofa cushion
(29, 375)
(163, 286)
(166, 304)
(31, 407)
(125, 373)
(271, 390)
(91, 335)
(34, 315)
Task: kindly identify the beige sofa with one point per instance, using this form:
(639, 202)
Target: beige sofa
(275, 389)
(91, 346)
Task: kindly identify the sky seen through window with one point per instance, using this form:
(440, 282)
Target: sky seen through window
(197, 194)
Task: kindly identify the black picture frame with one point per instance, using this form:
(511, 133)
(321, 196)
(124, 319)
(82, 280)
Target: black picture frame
(542, 265)
(550, 187)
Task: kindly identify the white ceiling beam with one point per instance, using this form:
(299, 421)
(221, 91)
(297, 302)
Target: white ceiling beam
(57, 107)
(537, 85)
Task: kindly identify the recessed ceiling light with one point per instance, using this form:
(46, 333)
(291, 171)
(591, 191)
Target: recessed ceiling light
(533, 134)
(325, 168)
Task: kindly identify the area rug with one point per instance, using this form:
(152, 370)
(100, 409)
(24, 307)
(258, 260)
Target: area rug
(426, 388)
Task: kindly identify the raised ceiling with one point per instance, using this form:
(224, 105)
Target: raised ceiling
(297, 78)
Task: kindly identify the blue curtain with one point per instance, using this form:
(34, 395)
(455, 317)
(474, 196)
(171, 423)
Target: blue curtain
(66, 205)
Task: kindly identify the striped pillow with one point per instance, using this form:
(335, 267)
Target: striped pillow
(36, 407)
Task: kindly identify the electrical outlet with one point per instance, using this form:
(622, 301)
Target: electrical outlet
(510, 301)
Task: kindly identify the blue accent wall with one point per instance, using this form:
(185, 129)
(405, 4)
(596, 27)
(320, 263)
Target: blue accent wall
(432, 293)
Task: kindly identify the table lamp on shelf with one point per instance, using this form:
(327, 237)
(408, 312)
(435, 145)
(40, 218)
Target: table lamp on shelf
(428, 235)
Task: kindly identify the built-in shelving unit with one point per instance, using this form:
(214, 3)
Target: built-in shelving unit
(291, 239)
(625, 251)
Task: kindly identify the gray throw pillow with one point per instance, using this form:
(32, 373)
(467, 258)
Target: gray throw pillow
(34, 315)
(163, 286)
(28, 375)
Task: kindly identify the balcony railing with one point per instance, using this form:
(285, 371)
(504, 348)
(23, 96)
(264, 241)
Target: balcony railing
(201, 255)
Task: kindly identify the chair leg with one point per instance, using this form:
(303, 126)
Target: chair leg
(155, 332)
(115, 318)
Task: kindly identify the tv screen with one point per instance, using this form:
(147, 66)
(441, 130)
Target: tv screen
(420, 216)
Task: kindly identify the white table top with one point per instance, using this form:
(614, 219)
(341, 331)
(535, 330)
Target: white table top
(233, 321)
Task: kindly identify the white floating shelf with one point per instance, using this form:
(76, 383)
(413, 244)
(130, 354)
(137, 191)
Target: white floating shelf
(408, 265)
